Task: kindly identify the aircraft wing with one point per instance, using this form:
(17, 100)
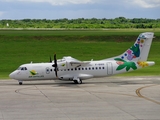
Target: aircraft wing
(79, 63)
(75, 62)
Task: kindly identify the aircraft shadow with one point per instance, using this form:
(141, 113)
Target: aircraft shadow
(72, 84)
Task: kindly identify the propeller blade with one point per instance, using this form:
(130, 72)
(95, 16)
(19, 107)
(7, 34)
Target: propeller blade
(55, 60)
(55, 65)
(50, 60)
(56, 73)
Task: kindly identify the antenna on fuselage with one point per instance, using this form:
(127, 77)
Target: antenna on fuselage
(50, 59)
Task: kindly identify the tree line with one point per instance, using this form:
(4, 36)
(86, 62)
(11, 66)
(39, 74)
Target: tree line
(120, 22)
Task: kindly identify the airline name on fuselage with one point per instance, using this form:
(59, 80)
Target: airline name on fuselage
(41, 76)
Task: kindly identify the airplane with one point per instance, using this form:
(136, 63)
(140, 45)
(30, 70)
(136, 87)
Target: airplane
(71, 69)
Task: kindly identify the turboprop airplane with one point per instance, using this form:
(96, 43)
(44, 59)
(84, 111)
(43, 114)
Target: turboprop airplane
(71, 69)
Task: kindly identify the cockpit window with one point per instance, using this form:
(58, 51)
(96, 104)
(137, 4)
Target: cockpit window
(22, 68)
(19, 68)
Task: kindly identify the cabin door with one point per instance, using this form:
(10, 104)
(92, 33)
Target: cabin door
(49, 72)
(109, 68)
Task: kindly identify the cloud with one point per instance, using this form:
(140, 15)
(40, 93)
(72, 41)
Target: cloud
(146, 3)
(55, 9)
(141, 3)
(57, 2)
(1, 13)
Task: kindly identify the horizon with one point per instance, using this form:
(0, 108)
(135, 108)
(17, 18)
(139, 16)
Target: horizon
(79, 18)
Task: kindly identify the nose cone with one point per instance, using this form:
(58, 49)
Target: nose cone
(12, 75)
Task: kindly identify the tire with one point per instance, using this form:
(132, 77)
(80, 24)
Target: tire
(75, 81)
(20, 83)
(78, 81)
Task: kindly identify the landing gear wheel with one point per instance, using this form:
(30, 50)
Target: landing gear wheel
(77, 81)
(80, 81)
(20, 83)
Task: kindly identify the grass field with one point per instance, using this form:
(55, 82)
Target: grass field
(19, 47)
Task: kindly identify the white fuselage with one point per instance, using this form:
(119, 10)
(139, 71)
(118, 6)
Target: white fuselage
(45, 71)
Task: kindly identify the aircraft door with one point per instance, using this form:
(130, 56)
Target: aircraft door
(49, 72)
(22, 71)
(109, 68)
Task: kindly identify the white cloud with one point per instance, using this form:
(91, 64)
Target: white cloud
(141, 3)
(1, 13)
(146, 3)
(57, 2)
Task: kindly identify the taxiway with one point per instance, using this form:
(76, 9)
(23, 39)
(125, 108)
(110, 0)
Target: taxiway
(112, 98)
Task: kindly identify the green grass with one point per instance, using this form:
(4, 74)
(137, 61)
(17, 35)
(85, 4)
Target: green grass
(19, 47)
(76, 32)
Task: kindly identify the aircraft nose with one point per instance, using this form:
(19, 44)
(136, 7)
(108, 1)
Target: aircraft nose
(12, 75)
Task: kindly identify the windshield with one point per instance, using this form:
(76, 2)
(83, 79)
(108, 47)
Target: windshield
(22, 68)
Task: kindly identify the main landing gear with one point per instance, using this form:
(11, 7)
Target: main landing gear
(20, 82)
(78, 81)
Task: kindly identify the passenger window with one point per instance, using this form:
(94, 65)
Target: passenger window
(75, 68)
(86, 68)
(72, 69)
(103, 67)
(82, 68)
(79, 68)
(89, 68)
(96, 68)
(92, 68)
(99, 67)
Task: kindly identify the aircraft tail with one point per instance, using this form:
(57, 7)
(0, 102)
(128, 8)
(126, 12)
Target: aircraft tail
(139, 51)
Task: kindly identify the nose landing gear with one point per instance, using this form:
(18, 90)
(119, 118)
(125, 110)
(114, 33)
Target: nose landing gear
(20, 82)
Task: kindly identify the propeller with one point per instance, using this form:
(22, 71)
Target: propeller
(55, 65)
(50, 60)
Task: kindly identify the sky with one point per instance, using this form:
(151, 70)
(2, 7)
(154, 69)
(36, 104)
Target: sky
(73, 9)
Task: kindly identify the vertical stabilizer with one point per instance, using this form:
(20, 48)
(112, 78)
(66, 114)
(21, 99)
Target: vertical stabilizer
(140, 49)
(145, 48)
